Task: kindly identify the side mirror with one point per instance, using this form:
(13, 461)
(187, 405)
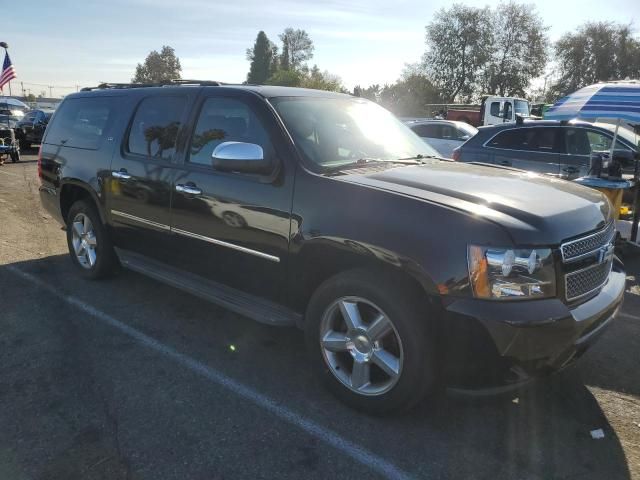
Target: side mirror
(239, 157)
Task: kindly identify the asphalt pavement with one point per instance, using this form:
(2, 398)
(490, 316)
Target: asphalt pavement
(127, 378)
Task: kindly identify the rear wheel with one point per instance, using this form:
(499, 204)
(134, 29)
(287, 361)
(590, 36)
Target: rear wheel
(15, 156)
(88, 241)
(371, 342)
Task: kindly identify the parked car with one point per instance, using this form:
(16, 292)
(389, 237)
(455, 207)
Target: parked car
(443, 135)
(404, 271)
(31, 127)
(556, 148)
(491, 111)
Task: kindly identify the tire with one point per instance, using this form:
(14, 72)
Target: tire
(103, 261)
(15, 156)
(410, 341)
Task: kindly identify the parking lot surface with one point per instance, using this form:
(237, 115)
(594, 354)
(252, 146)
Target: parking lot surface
(129, 378)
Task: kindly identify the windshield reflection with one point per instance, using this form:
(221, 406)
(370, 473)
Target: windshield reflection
(331, 132)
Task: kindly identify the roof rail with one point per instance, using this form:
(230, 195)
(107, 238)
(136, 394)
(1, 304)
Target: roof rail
(168, 83)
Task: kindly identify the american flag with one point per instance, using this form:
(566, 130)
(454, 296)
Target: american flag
(8, 72)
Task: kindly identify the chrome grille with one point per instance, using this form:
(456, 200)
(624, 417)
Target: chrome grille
(583, 246)
(587, 280)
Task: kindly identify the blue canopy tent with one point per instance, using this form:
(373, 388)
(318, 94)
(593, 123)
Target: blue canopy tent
(608, 100)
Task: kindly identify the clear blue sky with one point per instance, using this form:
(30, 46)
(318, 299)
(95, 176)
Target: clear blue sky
(67, 43)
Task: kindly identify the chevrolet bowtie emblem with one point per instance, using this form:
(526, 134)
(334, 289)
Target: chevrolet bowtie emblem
(605, 253)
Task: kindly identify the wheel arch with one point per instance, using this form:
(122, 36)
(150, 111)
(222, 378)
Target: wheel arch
(73, 190)
(331, 257)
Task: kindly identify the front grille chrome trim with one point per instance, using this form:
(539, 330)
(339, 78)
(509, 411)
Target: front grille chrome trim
(594, 242)
(608, 266)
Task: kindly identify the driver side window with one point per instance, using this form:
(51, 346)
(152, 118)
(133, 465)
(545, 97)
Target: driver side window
(225, 120)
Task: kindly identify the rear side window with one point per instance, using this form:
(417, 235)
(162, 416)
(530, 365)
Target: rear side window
(155, 126)
(495, 109)
(81, 122)
(529, 139)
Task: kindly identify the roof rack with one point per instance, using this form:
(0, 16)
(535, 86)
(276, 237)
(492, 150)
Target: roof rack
(168, 83)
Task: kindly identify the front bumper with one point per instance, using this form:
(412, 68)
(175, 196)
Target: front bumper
(492, 344)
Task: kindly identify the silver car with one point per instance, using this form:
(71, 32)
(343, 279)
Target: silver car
(443, 135)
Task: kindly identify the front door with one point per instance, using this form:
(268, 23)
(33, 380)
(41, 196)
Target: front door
(229, 227)
(139, 190)
(535, 149)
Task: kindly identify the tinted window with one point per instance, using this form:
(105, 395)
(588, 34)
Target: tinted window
(226, 120)
(81, 122)
(576, 141)
(30, 117)
(531, 139)
(155, 127)
(495, 109)
(427, 131)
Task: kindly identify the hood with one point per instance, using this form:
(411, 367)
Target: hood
(535, 209)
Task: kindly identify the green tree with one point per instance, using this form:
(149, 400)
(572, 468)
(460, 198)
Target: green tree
(158, 67)
(598, 51)
(297, 48)
(458, 43)
(263, 58)
(321, 80)
(285, 78)
(372, 92)
(519, 52)
(30, 98)
(409, 96)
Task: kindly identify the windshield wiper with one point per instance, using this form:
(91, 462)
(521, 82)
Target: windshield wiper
(421, 156)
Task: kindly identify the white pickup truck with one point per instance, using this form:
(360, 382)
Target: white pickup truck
(492, 111)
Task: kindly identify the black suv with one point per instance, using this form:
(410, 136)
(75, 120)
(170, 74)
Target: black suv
(31, 128)
(321, 210)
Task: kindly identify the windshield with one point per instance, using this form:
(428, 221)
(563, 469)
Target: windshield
(522, 107)
(467, 129)
(624, 132)
(333, 131)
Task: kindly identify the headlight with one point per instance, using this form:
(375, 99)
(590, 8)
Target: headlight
(500, 273)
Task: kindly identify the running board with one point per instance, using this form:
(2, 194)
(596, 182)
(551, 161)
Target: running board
(256, 308)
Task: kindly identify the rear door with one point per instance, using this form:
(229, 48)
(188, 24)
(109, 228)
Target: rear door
(141, 176)
(233, 228)
(535, 149)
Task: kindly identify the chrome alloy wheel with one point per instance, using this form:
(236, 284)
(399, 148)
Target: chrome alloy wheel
(84, 240)
(361, 346)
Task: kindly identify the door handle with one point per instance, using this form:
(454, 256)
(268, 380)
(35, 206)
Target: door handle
(506, 163)
(571, 169)
(189, 189)
(121, 174)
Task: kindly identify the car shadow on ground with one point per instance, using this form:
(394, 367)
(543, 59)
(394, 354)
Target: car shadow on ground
(539, 431)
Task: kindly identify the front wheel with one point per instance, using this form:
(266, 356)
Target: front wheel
(371, 342)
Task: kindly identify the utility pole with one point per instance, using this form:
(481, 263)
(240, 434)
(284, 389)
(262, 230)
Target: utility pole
(50, 91)
(22, 87)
